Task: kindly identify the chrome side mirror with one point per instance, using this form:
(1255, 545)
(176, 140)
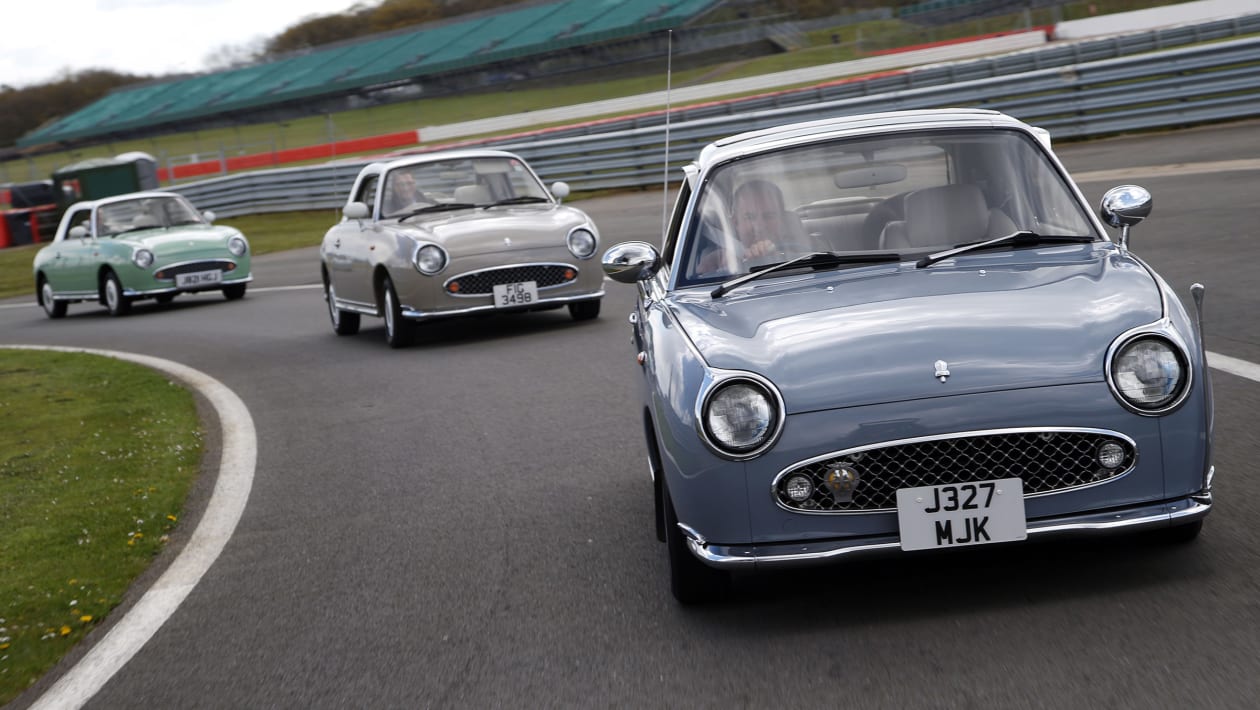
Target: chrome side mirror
(78, 231)
(1124, 207)
(208, 216)
(560, 190)
(629, 262)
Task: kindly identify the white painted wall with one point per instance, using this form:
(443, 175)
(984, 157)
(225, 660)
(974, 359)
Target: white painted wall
(1152, 18)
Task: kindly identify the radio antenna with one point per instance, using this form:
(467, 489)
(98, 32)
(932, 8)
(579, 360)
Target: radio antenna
(669, 76)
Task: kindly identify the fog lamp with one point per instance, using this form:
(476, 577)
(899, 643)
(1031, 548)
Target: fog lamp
(1110, 455)
(798, 488)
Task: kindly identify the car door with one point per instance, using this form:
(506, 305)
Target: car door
(71, 270)
(348, 250)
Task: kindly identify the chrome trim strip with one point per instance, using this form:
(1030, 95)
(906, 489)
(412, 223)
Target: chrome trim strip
(576, 270)
(943, 437)
(1155, 515)
(76, 295)
(409, 312)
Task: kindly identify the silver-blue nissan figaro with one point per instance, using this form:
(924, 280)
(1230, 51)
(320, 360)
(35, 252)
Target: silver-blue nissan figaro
(907, 331)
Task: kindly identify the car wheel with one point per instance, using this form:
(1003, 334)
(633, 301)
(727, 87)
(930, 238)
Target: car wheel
(115, 302)
(164, 298)
(584, 310)
(691, 581)
(52, 307)
(234, 292)
(343, 322)
(398, 330)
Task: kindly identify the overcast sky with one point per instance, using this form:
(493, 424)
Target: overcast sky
(44, 38)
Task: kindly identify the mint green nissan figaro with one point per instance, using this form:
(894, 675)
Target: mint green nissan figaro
(125, 248)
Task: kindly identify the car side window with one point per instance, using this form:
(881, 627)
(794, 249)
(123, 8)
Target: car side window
(675, 222)
(79, 218)
(367, 191)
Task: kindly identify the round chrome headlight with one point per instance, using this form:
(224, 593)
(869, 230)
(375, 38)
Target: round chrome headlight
(582, 243)
(740, 417)
(142, 258)
(430, 259)
(1148, 373)
(237, 245)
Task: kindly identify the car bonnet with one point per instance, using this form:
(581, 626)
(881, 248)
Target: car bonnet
(481, 231)
(876, 334)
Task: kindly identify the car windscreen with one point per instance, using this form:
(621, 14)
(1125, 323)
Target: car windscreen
(476, 182)
(144, 213)
(908, 193)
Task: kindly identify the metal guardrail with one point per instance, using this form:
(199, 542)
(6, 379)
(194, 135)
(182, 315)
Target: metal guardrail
(1209, 82)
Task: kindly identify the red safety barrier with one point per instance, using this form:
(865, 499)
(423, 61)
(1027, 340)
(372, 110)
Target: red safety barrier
(292, 155)
(32, 216)
(1048, 30)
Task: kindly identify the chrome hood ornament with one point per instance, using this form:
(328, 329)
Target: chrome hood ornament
(942, 370)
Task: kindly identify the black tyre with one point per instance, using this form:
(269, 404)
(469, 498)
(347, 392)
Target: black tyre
(234, 292)
(112, 294)
(691, 581)
(52, 307)
(399, 331)
(343, 322)
(584, 310)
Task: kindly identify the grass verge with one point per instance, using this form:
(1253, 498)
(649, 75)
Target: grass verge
(96, 458)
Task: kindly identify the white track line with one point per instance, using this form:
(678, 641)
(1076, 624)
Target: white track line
(227, 502)
(1234, 366)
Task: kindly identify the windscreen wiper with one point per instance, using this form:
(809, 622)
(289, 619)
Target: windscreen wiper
(1022, 238)
(814, 260)
(439, 207)
(518, 200)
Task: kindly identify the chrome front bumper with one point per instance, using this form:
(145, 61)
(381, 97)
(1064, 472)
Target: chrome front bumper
(750, 557)
(416, 314)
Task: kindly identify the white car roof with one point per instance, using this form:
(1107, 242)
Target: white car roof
(767, 139)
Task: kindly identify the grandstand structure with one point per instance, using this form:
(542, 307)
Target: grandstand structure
(524, 40)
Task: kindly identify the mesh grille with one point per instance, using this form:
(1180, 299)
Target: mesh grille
(1045, 460)
(170, 272)
(483, 282)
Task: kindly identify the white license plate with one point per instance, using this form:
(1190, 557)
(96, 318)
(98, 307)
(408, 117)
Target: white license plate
(522, 293)
(958, 514)
(198, 278)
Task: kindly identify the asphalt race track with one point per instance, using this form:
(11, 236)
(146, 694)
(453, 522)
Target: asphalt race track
(468, 522)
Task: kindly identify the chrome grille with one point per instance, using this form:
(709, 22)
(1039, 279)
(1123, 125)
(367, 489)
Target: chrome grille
(480, 283)
(1046, 461)
(192, 267)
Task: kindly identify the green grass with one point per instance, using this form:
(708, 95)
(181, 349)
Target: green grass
(96, 459)
(16, 275)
